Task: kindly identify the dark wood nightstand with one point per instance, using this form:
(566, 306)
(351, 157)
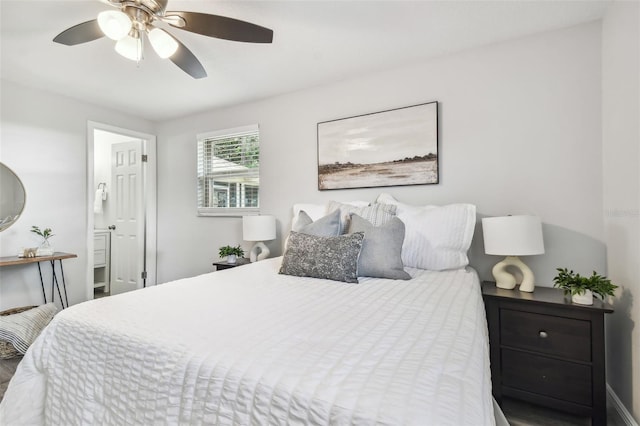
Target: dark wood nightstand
(224, 265)
(547, 350)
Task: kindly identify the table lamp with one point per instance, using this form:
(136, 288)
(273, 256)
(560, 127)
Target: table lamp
(258, 229)
(513, 236)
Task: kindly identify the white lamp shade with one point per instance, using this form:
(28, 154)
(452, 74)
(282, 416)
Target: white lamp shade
(114, 24)
(512, 235)
(162, 43)
(130, 48)
(259, 228)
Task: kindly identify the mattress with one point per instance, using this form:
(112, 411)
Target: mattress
(247, 346)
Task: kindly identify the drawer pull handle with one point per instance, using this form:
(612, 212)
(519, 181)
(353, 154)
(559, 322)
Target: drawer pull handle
(543, 335)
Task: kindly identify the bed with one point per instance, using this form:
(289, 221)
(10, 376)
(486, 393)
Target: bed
(250, 345)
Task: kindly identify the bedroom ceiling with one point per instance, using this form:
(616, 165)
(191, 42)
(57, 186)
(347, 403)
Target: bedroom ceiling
(315, 42)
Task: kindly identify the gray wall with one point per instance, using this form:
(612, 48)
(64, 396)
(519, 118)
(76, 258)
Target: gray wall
(43, 139)
(621, 159)
(519, 133)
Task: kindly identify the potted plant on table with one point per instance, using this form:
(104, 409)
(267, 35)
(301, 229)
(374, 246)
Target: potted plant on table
(582, 288)
(231, 253)
(45, 248)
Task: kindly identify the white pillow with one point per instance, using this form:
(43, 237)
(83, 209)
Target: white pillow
(436, 237)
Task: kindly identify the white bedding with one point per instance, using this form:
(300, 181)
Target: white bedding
(249, 346)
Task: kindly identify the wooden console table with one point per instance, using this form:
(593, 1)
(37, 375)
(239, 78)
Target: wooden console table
(15, 260)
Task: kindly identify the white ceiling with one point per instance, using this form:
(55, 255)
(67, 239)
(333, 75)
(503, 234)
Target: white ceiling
(315, 42)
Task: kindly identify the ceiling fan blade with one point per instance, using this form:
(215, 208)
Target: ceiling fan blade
(81, 33)
(114, 3)
(221, 27)
(187, 61)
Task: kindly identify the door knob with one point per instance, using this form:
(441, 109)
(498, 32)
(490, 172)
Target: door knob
(112, 227)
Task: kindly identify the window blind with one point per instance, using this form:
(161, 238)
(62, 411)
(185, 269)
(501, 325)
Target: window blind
(229, 171)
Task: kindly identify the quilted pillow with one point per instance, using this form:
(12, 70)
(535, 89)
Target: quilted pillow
(331, 258)
(436, 237)
(378, 214)
(327, 226)
(21, 329)
(381, 249)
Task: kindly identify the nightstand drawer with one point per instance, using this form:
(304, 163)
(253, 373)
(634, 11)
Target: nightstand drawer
(547, 376)
(559, 336)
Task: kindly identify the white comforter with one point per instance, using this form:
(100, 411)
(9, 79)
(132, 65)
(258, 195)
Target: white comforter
(248, 346)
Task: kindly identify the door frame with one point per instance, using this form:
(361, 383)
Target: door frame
(149, 188)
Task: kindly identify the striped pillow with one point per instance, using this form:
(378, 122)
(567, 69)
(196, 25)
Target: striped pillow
(378, 214)
(22, 329)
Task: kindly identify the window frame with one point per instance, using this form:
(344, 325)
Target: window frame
(225, 211)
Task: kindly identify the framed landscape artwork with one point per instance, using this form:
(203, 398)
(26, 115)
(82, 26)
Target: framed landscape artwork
(388, 148)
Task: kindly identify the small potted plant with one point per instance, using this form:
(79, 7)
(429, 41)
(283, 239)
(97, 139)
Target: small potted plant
(45, 248)
(231, 253)
(582, 288)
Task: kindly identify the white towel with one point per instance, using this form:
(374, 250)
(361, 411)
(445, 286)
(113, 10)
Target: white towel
(97, 202)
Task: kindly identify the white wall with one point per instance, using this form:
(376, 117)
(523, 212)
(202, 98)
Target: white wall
(520, 132)
(43, 138)
(621, 160)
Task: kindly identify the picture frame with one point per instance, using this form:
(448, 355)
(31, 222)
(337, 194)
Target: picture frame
(395, 147)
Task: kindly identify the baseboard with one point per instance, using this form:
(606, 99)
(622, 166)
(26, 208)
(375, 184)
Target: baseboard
(621, 410)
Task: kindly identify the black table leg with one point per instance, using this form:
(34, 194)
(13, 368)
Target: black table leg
(44, 295)
(64, 284)
(54, 281)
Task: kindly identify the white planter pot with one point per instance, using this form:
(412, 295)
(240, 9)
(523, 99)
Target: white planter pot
(232, 258)
(583, 299)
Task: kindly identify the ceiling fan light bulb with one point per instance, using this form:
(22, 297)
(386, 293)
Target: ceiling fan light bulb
(162, 43)
(130, 48)
(114, 24)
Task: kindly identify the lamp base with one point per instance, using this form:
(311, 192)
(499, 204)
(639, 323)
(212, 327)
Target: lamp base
(507, 280)
(264, 252)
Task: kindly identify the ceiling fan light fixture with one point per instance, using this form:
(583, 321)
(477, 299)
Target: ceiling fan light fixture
(114, 24)
(130, 48)
(163, 43)
(133, 20)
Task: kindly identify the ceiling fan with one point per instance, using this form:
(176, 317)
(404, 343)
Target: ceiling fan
(136, 19)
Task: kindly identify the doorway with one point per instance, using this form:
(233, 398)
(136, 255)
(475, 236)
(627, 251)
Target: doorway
(121, 210)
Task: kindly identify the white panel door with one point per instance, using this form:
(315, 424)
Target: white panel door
(127, 239)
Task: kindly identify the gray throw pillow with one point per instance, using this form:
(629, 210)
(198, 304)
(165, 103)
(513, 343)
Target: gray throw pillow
(326, 226)
(381, 254)
(331, 258)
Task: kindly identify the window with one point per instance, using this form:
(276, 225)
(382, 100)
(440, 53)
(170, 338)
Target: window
(229, 172)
